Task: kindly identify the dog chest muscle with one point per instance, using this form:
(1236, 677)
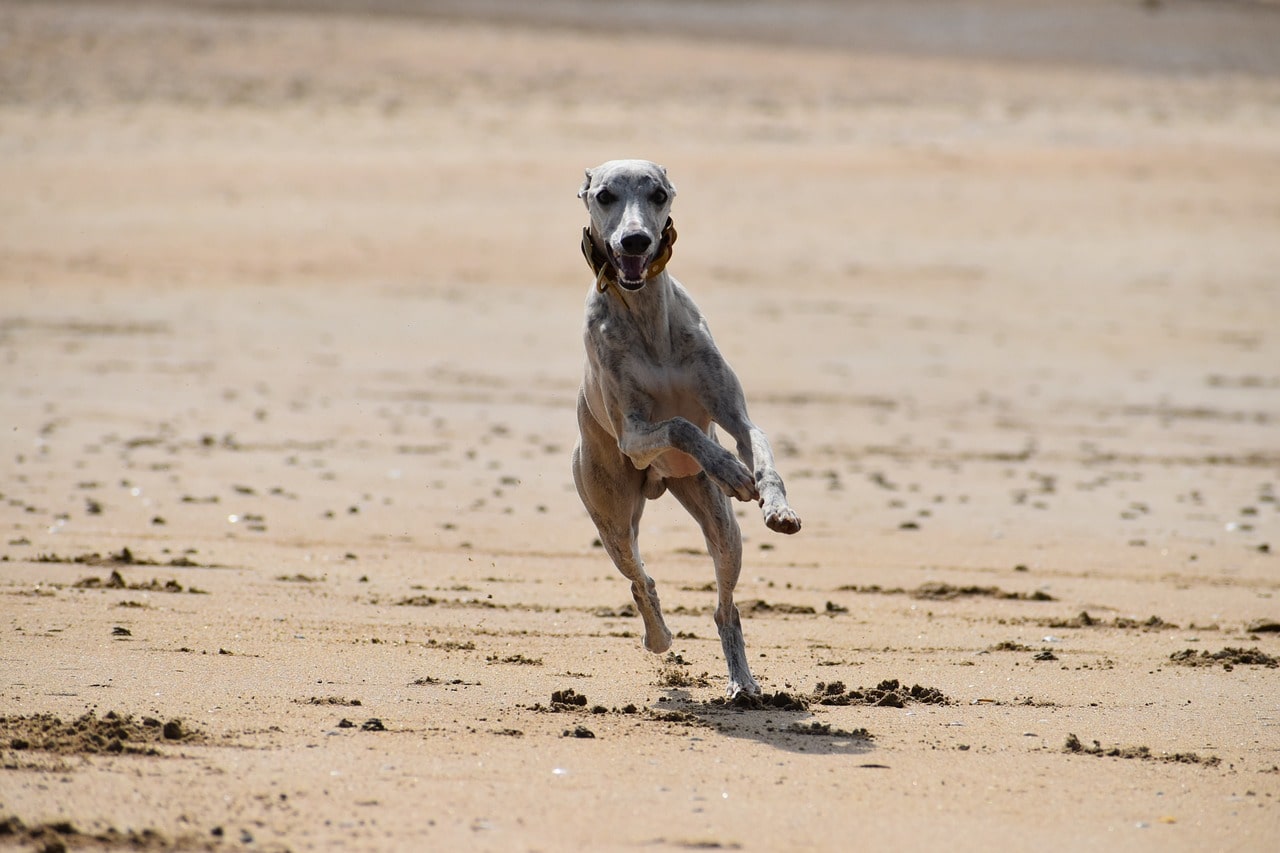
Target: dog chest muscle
(656, 358)
(673, 396)
(671, 389)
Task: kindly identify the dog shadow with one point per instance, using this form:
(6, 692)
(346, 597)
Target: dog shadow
(777, 720)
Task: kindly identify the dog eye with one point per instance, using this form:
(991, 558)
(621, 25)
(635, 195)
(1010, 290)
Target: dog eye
(658, 197)
(606, 198)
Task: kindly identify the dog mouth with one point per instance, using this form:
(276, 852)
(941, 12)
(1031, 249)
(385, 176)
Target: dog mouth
(631, 269)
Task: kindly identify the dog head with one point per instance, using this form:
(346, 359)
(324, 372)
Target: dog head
(629, 202)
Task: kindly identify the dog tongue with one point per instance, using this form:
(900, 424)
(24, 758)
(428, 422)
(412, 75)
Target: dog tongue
(632, 267)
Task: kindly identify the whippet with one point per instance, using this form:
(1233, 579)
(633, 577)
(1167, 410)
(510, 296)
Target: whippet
(654, 388)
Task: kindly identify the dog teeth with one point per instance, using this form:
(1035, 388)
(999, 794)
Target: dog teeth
(631, 269)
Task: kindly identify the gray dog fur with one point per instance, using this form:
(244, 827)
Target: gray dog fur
(654, 389)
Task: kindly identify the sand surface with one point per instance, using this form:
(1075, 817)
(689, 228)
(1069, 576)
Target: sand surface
(290, 305)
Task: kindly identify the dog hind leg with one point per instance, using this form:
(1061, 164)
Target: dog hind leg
(614, 500)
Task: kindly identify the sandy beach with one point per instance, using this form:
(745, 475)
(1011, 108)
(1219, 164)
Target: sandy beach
(290, 337)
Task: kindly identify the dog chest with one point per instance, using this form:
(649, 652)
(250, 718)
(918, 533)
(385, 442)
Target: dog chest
(673, 393)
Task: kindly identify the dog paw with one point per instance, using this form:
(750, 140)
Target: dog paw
(782, 519)
(734, 479)
(747, 686)
(657, 641)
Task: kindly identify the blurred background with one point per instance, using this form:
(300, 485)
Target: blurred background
(941, 234)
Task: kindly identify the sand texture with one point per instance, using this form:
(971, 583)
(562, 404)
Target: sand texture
(290, 337)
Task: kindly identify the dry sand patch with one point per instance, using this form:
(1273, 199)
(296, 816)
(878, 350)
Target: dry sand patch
(288, 349)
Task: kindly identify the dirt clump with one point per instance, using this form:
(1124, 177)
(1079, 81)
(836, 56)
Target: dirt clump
(328, 700)
(780, 701)
(373, 724)
(116, 581)
(826, 730)
(1074, 745)
(672, 676)
(937, 591)
(757, 607)
(1084, 620)
(684, 718)
(947, 592)
(889, 693)
(63, 835)
(91, 734)
(1009, 646)
(567, 699)
(1229, 657)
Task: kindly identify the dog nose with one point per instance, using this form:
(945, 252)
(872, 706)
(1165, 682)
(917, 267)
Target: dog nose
(636, 244)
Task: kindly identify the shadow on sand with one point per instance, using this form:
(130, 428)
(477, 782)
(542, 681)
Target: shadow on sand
(780, 720)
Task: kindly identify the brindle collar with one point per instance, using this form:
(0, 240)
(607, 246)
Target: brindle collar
(605, 272)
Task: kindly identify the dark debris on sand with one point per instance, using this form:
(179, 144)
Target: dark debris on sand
(889, 693)
(566, 699)
(780, 701)
(826, 730)
(1074, 745)
(1084, 620)
(64, 835)
(937, 591)
(123, 557)
(91, 734)
(1229, 658)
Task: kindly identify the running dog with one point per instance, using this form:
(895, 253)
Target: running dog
(655, 388)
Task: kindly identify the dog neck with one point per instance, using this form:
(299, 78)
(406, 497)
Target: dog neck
(605, 272)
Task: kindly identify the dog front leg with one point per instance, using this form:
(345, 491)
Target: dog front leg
(714, 513)
(643, 442)
(778, 514)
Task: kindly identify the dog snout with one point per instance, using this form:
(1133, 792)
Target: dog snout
(636, 243)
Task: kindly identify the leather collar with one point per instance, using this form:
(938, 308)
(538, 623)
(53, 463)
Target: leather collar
(605, 272)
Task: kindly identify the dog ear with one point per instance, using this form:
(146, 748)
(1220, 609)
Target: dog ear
(586, 185)
(668, 186)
